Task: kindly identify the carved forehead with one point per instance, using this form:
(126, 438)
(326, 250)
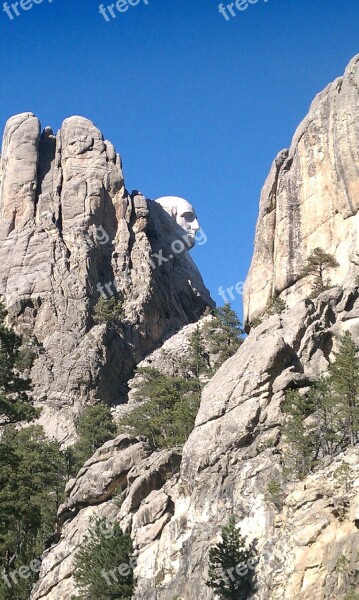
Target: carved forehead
(175, 205)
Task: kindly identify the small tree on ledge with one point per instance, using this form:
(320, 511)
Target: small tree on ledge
(223, 334)
(316, 266)
(108, 311)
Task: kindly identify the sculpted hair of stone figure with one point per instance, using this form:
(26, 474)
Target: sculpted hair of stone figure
(183, 213)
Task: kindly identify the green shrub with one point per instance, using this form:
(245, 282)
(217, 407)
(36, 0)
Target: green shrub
(108, 311)
(104, 564)
(167, 417)
(95, 427)
(275, 494)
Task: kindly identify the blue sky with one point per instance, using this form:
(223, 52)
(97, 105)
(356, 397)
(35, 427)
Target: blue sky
(196, 105)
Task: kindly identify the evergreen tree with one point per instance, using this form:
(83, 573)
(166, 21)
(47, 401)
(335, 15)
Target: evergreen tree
(95, 427)
(275, 494)
(15, 402)
(109, 311)
(231, 565)
(344, 476)
(326, 428)
(167, 415)
(32, 481)
(333, 407)
(277, 306)
(344, 382)
(223, 334)
(316, 266)
(300, 445)
(197, 363)
(104, 564)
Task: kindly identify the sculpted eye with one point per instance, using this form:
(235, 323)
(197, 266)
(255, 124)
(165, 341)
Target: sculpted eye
(189, 216)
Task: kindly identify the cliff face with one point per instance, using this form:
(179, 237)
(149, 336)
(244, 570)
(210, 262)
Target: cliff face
(69, 233)
(176, 503)
(310, 199)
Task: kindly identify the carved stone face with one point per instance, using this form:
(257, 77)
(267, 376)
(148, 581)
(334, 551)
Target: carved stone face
(183, 213)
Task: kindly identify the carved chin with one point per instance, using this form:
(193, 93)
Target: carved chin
(191, 239)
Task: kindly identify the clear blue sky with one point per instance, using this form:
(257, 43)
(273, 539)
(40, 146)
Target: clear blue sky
(196, 105)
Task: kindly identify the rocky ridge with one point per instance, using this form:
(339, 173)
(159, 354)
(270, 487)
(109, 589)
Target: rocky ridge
(175, 506)
(69, 233)
(310, 199)
(174, 502)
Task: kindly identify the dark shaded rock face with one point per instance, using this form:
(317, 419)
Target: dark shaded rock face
(70, 232)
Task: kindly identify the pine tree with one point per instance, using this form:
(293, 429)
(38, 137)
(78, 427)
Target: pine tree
(231, 565)
(333, 407)
(275, 494)
(15, 402)
(109, 311)
(167, 415)
(104, 564)
(326, 428)
(300, 445)
(32, 481)
(344, 382)
(223, 334)
(277, 306)
(95, 427)
(197, 362)
(316, 266)
(344, 476)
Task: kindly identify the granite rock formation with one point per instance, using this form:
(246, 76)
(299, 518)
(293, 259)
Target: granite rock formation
(175, 506)
(175, 502)
(310, 199)
(69, 233)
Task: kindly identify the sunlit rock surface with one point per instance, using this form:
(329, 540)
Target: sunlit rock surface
(69, 233)
(310, 199)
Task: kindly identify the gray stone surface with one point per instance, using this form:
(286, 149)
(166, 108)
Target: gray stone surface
(175, 503)
(310, 199)
(174, 509)
(70, 231)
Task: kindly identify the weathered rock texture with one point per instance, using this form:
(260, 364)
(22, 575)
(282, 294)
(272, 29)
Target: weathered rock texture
(310, 199)
(169, 359)
(174, 508)
(70, 231)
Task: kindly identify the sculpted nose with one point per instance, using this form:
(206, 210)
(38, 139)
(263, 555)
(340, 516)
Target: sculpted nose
(195, 225)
